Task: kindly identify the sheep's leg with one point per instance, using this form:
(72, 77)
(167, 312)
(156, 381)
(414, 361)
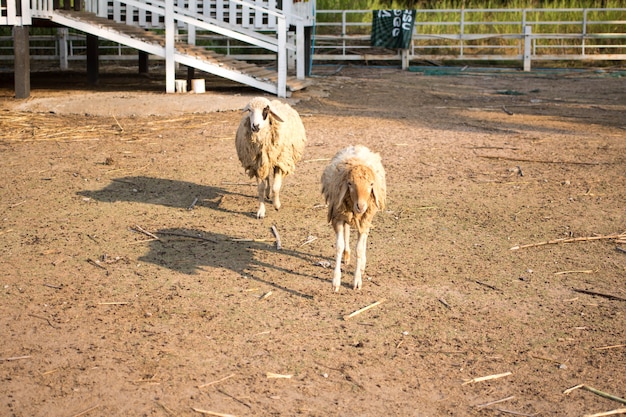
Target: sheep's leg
(346, 249)
(340, 245)
(278, 182)
(267, 188)
(262, 186)
(361, 246)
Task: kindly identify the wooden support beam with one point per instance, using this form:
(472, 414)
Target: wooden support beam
(93, 59)
(191, 74)
(143, 62)
(22, 61)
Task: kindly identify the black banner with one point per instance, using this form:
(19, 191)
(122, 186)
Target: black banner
(392, 28)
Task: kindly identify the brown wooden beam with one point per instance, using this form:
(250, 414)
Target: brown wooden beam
(93, 59)
(22, 61)
(144, 60)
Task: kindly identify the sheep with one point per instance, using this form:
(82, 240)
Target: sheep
(354, 187)
(270, 141)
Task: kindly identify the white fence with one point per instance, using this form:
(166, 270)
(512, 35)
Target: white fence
(481, 34)
(523, 35)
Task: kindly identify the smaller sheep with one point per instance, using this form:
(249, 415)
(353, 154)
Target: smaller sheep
(354, 187)
(270, 141)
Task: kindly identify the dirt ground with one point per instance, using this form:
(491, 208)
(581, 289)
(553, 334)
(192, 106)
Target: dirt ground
(118, 298)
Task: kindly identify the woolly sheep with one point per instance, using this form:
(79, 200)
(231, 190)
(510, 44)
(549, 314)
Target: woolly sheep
(354, 187)
(270, 141)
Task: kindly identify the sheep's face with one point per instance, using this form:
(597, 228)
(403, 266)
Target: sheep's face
(258, 118)
(360, 184)
(260, 110)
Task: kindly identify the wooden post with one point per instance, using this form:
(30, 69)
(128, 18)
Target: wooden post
(63, 34)
(93, 59)
(191, 74)
(308, 59)
(22, 61)
(143, 58)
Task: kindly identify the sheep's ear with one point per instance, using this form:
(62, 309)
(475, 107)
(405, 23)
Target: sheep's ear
(336, 207)
(342, 194)
(247, 108)
(276, 115)
(377, 193)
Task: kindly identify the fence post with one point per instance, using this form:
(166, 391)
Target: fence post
(63, 34)
(404, 56)
(527, 46)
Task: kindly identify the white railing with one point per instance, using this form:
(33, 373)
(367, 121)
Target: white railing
(15, 13)
(480, 34)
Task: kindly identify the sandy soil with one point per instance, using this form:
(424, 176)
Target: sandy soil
(117, 299)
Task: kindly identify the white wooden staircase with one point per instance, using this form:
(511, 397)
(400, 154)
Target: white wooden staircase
(198, 57)
(256, 23)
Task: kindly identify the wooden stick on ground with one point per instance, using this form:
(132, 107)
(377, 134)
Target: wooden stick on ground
(487, 285)
(14, 358)
(517, 413)
(167, 410)
(277, 376)
(346, 317)
(82, 413)
(571, 240)
(275, 231)
(495, 402)
(145, 232)
(609, 347)
(603, 394)
(211, 413)
(486, 378)
(206, 239)
(584, 271)
(216, 382)
(541, 161)
(44, 318)
(607, 413)
(595, 391)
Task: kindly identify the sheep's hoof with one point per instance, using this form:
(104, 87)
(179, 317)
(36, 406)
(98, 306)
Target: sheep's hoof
(336, 284)
(346, 258)
(260, 214)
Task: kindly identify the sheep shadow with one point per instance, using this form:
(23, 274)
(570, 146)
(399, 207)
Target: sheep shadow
(161, 191)
(190, 251)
